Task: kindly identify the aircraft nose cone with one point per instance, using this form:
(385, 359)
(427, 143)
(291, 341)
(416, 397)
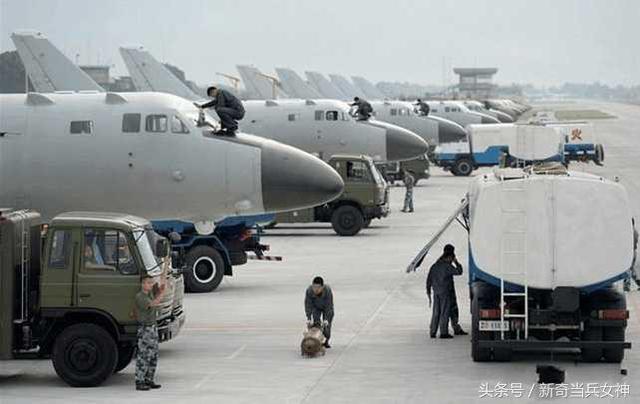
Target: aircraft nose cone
(449, 132)
(488, 119)
(403, 144)
(293, 179)
(505, 118)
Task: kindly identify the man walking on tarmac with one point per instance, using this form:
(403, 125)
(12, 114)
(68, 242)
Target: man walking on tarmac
(318, 306)
(147, 301)
(363, 109)
(440, 279)
(409, 181)
(228, 107)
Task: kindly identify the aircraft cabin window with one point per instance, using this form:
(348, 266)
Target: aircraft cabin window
(81, 127)
(447, 109)
(177, 126)
(106, 252)
(332, 115)
(59, 249)
(319, 115)
(402, 111)
(156, 123)
(131, 123)
(394, 112)
(292, 117)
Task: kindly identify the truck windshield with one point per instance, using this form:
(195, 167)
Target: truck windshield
(377, 177)
(151, 263)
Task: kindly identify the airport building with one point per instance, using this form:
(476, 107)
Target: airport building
(476, 82)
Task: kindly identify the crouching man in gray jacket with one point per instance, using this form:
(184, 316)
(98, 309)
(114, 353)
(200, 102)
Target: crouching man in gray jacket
(318, 306)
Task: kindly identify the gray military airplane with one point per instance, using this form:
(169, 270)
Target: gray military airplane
(457, 112)
(146, 154)
(431, 128)
(301, 124)
(477, 106)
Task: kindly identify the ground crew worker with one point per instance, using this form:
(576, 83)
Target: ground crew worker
(440, 279)
(455, 314)
(147, 301)
(633, 273)
(228, 107)
(423, 107)
(409, 181)
(363, 109)
(318, 306)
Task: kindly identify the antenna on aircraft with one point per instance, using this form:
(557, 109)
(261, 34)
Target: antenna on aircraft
(235, 81)
(275, 83)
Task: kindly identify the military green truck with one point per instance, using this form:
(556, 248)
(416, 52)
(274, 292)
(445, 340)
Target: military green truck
(365, 197)
(394, 171)
(67, 290)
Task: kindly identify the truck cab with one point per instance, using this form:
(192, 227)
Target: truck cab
(365, 197)
(71, 296)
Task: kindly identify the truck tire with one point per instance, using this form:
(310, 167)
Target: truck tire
(591, 334)
(125, 355)
(599, 154)
(347, 220)
(613, 355)
(205, 269)
(463, 167)
(84, 355)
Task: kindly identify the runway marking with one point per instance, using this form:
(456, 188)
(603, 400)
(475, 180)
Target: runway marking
(356, 335)
(204, 380)
(237, 352)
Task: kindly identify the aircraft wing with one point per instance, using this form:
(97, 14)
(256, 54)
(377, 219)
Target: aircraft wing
(48, 68)
(417, 261)
(148, 74)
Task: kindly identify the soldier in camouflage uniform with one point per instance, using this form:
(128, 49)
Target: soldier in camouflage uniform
(147, 301)
(409, 182)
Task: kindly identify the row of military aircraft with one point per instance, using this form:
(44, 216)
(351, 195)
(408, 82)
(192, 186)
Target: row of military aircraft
(72, 145)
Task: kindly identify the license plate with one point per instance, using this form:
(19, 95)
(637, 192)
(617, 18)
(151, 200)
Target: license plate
(486, 325)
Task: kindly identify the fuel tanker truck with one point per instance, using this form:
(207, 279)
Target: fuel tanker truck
(546, 247)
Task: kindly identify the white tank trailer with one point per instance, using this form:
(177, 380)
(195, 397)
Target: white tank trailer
(545, 250)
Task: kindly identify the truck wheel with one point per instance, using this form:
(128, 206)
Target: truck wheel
(347, 220)
(84, 355)
(462, 167)
(613, 355)
(125, 355)
(599, 154)
(591, 334)
(205, 269)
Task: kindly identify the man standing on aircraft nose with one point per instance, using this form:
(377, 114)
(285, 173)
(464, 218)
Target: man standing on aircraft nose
(228, 107)
(363, 108)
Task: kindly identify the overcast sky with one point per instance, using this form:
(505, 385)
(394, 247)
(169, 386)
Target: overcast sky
(543, 42)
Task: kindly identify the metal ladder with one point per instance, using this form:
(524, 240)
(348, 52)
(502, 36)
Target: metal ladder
(25, 261)
(513, 248)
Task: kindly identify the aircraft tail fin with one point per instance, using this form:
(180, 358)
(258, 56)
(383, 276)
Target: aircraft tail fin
(48, 68)
(148, 74)
(326, 88)
(295, 86)
(258, 85)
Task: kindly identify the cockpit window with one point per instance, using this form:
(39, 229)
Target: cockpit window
(319, 115)
(292, 117)
(402, 111)
(131, 123)
(156, 123)
(394, 112)
(81, 127)
(332, 115)
(177, 126)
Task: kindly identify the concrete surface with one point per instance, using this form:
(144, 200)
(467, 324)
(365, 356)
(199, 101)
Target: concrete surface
(241, 343)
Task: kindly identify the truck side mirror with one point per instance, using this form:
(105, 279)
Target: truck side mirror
(162, 248)
(175, 237)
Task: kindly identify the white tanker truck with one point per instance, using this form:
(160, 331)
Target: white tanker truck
(546, 246)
